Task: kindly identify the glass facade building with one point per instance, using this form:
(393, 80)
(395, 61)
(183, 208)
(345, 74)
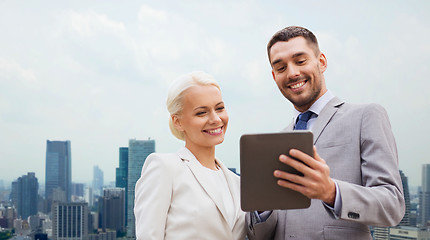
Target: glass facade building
(58, 172)
(406, 219)
(113, 216)
(424, 212)
(122, 175)
(98, 181)
(24, 195)
(138, 151)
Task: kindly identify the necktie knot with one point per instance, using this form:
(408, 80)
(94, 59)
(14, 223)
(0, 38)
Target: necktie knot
(303, 118)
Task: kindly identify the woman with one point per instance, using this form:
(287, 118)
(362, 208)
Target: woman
(190, 194)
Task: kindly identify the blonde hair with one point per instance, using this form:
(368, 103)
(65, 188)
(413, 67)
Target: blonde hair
(176, 94)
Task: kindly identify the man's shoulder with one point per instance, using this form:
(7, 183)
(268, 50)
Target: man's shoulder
(362, 107)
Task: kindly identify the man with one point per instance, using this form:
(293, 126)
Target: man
(353, 178)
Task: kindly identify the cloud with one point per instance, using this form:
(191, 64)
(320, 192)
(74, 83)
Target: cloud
(91, 23)
(12, 72)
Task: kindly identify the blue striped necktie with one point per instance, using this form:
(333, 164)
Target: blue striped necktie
(303, 118)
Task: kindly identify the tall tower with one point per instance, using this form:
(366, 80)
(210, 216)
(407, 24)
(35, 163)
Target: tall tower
(424, 216)
(138, 151)
(58, 169)
(122, 175)
(405, 220)
(24, 195)
(97, 181)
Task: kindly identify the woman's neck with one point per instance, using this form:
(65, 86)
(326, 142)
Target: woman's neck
(205, 155)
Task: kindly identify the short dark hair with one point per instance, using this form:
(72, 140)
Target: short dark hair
(291, 32)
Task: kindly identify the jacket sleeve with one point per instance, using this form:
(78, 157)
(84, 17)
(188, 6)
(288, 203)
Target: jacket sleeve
(153, 194)
(257, 230)
(379, 201)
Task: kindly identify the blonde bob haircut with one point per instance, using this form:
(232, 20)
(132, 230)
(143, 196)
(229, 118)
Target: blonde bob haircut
(176, 94)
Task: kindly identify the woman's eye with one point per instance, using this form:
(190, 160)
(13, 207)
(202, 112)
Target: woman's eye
(220, 108)
(200, 113)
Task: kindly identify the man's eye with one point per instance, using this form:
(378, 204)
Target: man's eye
(280, 69)
(301, 62)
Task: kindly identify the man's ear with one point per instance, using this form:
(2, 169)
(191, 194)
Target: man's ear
(177, 122)
(322, 62)
(273, 75)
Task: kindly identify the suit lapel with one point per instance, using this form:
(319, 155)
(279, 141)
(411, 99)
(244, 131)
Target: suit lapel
(233, 187)
(209, 186)
(324, 118)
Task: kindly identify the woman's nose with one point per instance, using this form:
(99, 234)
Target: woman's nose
(214, 117)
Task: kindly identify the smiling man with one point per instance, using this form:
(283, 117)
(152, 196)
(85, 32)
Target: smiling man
(353, 178)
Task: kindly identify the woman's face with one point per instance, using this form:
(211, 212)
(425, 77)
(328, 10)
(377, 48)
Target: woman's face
(203, 118)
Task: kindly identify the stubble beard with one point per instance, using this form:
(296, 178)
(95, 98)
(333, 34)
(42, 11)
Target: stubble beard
(300, 101)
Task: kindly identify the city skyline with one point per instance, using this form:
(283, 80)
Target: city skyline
(97, 73)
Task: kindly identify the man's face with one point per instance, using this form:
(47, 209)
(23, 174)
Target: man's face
(298, 72)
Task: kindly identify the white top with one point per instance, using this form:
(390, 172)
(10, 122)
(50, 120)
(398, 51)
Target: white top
(218, 178)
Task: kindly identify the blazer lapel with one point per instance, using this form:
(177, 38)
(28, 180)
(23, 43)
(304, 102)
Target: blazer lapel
(324, 118)
(209, 186)
(233, 186)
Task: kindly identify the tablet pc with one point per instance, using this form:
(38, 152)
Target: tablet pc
(259, 158)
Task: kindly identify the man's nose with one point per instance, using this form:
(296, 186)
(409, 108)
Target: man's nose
(293, 72)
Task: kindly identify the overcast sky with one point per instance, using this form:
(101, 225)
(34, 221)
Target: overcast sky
(97, 72)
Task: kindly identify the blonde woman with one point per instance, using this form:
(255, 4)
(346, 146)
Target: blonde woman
(190, 194)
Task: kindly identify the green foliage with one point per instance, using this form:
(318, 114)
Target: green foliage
(5, 235)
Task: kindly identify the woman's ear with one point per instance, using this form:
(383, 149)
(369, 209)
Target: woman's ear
(176, 120)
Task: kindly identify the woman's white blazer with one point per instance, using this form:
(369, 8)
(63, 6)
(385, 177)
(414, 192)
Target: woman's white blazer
(175, 199)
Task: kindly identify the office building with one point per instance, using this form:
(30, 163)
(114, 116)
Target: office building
(113, 215)
(106, 235)
(89, 196)
(58, 168)
(40, 236)
(24, 195)
(122, 170)
(78, 189)
(424, 205)
(97, 181)
(122, 175)
(380, 233)
(408, 233)
(138, 150)
(69, 221)
(406, 219)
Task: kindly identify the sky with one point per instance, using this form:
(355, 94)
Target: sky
(97, 72)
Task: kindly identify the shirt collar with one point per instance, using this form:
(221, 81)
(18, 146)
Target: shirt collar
(318, 105)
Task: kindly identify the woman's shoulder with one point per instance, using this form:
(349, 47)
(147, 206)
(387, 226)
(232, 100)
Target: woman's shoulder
(163, 160)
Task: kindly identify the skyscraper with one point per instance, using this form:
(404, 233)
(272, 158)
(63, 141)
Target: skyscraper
(58, 173)
(138, 150)
(78, 189)
(69, 221)
(113, 216)
(122, 175)
(405, 220)
(122, 170)
(97, 181)
(424, 212)
(24, 195)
